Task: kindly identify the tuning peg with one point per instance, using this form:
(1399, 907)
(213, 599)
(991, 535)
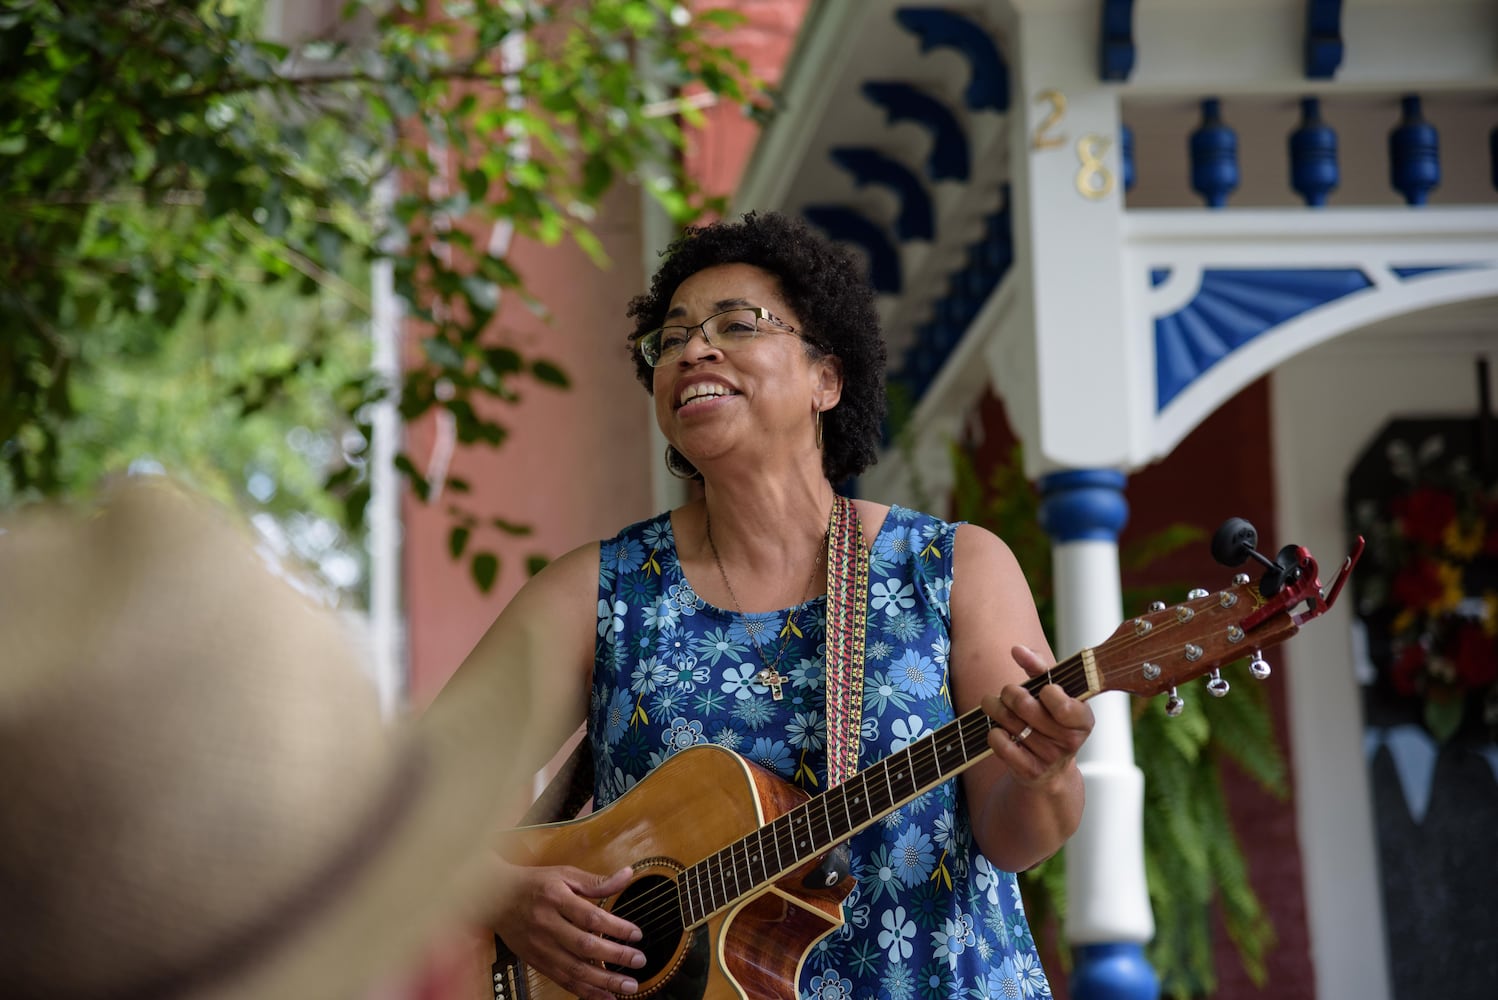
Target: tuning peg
(1233, 544)
(1216, 686)
(1174, 704)
(1196, 593)
(1157, 605)
(1258, 666)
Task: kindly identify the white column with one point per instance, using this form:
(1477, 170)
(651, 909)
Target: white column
(1108, 916)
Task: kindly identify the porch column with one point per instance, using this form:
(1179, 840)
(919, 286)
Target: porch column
(1108, 917)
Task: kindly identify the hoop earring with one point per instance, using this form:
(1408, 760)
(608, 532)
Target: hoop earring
(819, 430)
(678, 466)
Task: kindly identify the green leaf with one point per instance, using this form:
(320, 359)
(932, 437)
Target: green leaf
(549, 373)
(503, 360)
(598, 174)
(457, 541)
(476, 184)
(1443, 716)
(511, 528)
(535, 564)
(485, 569)
(442, 353)
(418, 481)
(482, 294)
(591, 246)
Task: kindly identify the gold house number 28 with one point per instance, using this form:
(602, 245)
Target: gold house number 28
(1094, 180)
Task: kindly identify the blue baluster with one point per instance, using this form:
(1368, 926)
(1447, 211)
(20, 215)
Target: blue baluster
(1414, 154)
(1126, 148)
(1313, 155)
(1214, 156)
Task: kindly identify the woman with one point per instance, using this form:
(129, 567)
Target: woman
(760, 344)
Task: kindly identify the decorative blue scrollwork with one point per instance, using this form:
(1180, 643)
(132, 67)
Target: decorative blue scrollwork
(935, 27)
(848, 226)
(1231, 308)
(904, 102)
(1323, 38)
(988, 260)
(869, 166)
(1116, 45)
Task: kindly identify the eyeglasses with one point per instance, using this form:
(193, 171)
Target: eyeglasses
(726, 329)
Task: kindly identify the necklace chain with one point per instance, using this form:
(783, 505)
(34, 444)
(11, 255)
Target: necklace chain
(770, 676)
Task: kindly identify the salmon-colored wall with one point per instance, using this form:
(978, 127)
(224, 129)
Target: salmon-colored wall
(575, 466)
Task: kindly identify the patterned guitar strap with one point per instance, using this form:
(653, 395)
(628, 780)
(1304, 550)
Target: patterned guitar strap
(847, 619)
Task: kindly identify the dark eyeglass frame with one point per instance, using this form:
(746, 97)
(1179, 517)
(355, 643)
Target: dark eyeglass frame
(649, 344)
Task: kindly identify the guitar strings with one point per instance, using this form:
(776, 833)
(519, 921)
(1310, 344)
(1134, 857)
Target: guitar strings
(659, 911)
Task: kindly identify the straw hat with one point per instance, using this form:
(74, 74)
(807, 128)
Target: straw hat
(198, 794)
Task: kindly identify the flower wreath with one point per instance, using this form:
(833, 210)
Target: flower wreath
(1431, 586)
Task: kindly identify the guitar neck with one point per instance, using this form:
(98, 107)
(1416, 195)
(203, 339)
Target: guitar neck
(813, 828)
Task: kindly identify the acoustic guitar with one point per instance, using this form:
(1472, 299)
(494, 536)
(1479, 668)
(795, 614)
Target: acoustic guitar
(732, 879)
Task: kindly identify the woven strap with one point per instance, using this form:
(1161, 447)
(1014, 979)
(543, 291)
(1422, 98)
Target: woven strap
(847, 618)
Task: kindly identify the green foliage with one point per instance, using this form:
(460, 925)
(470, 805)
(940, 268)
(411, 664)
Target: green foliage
(1193, 862)
(206, 401)
(163, 164)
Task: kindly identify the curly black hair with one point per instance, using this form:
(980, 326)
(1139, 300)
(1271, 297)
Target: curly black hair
(826, 287)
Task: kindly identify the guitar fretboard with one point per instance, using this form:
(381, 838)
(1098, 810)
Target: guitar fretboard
(814, 827)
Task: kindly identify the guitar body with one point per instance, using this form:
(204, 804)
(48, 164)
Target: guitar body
(696, 803)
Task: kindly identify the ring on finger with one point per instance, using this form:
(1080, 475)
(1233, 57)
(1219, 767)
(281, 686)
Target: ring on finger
(1023, 734)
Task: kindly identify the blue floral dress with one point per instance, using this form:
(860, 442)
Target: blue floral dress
(930, 918)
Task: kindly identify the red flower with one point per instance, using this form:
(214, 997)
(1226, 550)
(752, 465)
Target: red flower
(1424, 514)
(1407, 669)
(1418, 584)
(1474, 656)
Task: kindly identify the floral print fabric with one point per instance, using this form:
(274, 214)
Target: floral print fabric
(929, 918)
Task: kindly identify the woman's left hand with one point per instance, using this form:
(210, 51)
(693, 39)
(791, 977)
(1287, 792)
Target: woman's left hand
(1036, 737)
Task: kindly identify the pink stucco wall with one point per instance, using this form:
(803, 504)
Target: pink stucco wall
(573, 467)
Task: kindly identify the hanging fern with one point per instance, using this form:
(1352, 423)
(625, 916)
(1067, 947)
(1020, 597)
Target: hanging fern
(1194, 865)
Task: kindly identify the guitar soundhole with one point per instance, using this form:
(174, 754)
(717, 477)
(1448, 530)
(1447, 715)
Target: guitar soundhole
(651, 905)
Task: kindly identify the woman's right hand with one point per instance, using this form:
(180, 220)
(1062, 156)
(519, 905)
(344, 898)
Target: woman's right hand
(553, 924)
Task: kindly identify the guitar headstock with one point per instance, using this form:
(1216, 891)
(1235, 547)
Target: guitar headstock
(1169, 646)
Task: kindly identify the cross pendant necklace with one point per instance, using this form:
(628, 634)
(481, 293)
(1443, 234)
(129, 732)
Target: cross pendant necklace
(770, 676)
